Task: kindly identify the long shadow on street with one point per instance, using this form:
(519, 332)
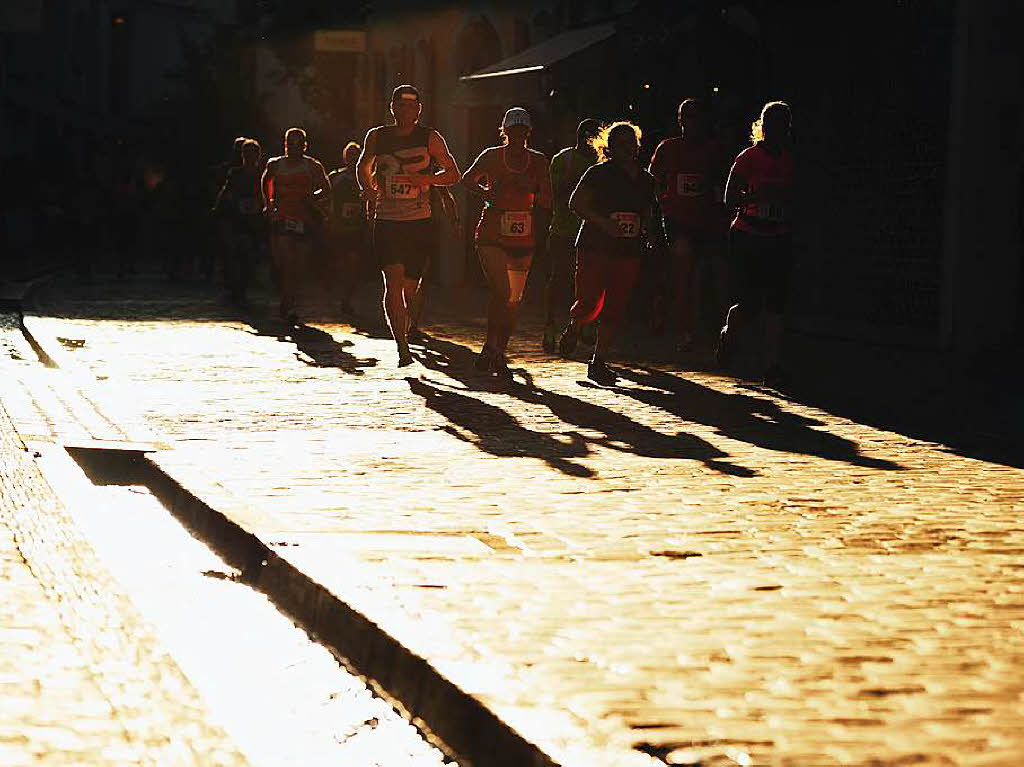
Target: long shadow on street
(753, 420)
(317, 345)
(500, 434)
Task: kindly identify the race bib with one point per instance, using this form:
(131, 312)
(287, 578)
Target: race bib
(351, 210)
(294, 226)
(400, 187)
(771, 211)
(629, 224)
(247, 207)
(689, 185)
(516, 223)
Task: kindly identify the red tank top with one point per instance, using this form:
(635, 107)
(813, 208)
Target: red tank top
(291, 188)
(690, 176)
(508, 221)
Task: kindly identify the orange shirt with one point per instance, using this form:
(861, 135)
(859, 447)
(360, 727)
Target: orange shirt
(291, 188)
(508, 221)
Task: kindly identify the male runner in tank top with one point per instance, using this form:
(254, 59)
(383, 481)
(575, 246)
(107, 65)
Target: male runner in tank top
(394, 172)
(288, 184)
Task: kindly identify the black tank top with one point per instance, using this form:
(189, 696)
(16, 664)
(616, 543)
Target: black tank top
(396, 157)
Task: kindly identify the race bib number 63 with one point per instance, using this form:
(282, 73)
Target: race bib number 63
(516, 223)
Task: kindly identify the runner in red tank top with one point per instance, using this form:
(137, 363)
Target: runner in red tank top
(516, 186)
(760, 189)
(690, 170)
(289, 184)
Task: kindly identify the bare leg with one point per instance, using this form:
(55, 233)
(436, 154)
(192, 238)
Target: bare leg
(395, 309)
(494, 263)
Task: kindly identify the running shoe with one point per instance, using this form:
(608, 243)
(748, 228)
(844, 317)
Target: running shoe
(483, 360)
(601, 374)
(550, 339)
(499, 366)
(567, 341)
(405, 359)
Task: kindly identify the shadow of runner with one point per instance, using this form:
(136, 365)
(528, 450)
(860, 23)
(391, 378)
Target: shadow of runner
(499, 433)
(619, 431)
(753, 420)
(318, 345)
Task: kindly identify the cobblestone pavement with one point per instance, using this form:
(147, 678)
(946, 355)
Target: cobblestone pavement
(676, 570)
(83, 680)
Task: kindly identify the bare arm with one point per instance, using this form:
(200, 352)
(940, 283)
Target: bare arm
(474, 173)
(545, 192)
(735, 189)
(364, 166)
(265, 185)
(320, 181)
(582, 204)
(449, 173)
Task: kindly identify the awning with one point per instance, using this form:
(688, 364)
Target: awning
(543, 55)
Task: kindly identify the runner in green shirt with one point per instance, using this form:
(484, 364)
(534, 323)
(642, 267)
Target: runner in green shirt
(567, 167)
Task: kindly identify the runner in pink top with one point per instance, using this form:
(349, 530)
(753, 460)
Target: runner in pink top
(760, 190)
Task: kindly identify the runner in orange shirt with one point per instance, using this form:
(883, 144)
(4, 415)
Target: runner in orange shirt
(516, 186)
(289, 184)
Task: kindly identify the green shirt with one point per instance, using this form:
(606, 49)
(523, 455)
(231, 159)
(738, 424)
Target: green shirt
(567, 167)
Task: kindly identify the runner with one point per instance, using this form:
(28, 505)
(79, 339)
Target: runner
(690, 169)
(567, 167)
(394, 172)
(348, 229)
(515, 179)
(618, 204)
(760, 189)
(239, 203)
(289, 184)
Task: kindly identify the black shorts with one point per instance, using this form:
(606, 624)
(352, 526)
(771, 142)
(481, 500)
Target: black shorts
(410, 243)
(760, 267)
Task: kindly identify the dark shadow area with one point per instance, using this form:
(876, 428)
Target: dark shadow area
(617, 431)
(753, 420)
(499, 433)
(321, 347)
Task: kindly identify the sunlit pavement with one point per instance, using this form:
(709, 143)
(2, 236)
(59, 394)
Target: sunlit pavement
(677, 570)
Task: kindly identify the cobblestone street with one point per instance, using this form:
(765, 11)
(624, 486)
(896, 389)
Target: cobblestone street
(679, 570)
